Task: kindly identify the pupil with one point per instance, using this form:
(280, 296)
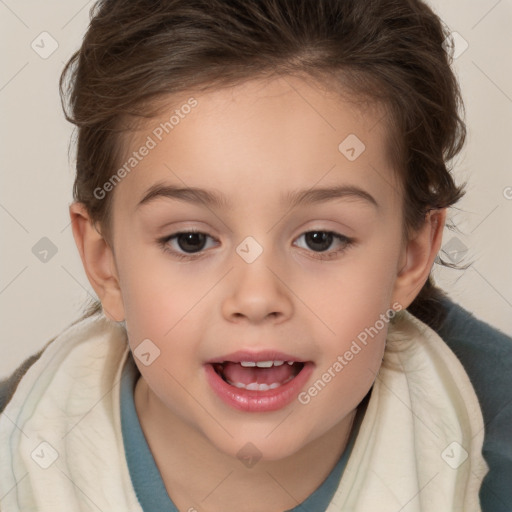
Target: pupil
(321, 238)
(189, 242)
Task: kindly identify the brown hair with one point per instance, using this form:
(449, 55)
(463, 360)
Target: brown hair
(386, 51)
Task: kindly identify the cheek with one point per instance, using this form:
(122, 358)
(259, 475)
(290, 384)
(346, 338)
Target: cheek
(354, 304)
(155, 292)
(162, 310)
(351, 295)
(166, 381)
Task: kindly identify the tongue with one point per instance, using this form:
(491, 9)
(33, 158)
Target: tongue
(235, 372)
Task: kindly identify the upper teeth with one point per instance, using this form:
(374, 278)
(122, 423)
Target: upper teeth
(264, 364)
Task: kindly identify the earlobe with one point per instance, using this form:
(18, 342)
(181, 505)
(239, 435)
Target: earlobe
(418, 258)
(98, 261)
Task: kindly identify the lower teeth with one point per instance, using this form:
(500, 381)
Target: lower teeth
(254, 386)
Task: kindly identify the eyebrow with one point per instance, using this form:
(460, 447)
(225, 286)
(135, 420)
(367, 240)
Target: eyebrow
(217, 200)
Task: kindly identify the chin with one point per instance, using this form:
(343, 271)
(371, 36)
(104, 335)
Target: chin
(260, 448)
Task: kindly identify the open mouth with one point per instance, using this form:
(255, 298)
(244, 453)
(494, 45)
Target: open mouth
(258, 376)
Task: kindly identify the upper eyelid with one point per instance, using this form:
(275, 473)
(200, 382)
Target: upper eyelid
(186, 231)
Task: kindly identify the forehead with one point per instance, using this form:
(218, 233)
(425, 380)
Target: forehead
(260, 135)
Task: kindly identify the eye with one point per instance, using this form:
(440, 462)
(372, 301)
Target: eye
(184, 244)
(320, 241)
(187, 245)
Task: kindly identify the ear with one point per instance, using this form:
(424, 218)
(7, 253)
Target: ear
(98, 261)
(418, 257)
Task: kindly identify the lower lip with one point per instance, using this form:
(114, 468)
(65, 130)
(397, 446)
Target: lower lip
(258, 401)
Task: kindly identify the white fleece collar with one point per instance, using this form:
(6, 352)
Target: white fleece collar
(418, 448)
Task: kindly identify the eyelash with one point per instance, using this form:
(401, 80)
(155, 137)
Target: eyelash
(324, 255)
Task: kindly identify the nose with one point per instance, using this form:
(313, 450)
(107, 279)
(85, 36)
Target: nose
(258, 294)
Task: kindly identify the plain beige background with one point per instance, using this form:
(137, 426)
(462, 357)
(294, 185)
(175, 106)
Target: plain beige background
(39, 299)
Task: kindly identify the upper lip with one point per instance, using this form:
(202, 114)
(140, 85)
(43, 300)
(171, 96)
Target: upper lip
(263, 355)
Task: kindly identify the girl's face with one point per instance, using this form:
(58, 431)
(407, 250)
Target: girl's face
(295, 253)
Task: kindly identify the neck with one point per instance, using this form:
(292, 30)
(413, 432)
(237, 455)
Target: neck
(198, 475)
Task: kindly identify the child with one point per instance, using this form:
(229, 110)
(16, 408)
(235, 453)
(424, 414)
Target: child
(291, 359)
